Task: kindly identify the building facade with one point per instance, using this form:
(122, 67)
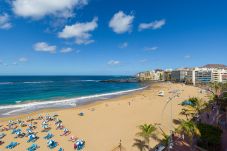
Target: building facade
(178, 75)
(206, 75)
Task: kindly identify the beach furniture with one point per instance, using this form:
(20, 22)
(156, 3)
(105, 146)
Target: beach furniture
(57, 121)
(52, 144)
(31, 126)
(73, 138)
(160, 147)
(1, 142)
(49, 136)
(2, 135)
(33, 147)
(66, 132)
(79, 144)
(32, 138)
(81, 114)
(29, 131)
(55, 115)
(4, 129)
(161, 93)
(15, 130)
(61, 149)
(45, 127)
(12, 145)
(40, 117)
(59, 126)
(19, 134)
(187, 102)
(22, 124)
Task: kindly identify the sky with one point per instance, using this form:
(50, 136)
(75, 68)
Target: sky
(110, 37)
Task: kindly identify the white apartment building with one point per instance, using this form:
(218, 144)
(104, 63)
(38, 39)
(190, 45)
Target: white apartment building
(206, 75)
(150, 75)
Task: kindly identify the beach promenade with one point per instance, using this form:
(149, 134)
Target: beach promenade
(103, 124)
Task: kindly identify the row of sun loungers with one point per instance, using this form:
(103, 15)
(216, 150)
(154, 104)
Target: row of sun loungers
(32, 137)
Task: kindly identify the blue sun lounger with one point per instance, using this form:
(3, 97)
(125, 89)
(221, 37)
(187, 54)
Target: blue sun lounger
(15, 130)
(61, 149)
(49, 136)
(33, 147)
(52, 144)
(32, 138)
(12, 145)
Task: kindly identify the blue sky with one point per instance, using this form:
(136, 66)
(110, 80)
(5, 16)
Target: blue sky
(109, 37)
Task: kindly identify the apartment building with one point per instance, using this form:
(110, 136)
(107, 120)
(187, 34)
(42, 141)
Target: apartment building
(206, 75)
(179, 75)
(146, 76)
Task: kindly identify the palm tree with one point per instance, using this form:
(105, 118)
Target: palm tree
(190, 129)
(165, 140)
(147, 131)
(185, 112)
(140, 144)
(215, 89)
(195, 108)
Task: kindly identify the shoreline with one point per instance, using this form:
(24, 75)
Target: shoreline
(114, 119)
(80, 106)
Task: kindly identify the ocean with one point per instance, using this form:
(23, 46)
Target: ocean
(23, 94)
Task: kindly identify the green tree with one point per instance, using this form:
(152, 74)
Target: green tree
(190, 129)
(216, 89)
(186, 113)
(196, 107)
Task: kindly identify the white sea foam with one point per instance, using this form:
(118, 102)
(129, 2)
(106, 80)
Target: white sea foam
(71, 102)
(35, 82)
(84, 80)
(5, 83)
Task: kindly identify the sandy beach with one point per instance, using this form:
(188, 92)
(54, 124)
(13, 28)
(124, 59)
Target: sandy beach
(107, 122)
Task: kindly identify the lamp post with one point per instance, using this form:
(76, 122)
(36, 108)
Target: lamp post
(170, 142)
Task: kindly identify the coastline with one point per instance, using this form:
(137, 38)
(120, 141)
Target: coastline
(115, 119)
(35, 106)
(94, 102)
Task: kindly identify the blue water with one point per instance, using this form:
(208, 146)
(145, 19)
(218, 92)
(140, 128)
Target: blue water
(21, 89)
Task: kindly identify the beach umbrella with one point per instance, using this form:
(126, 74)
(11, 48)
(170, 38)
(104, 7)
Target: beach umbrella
(18, 133)
(119, 147)
(80, 143)
(187, 102)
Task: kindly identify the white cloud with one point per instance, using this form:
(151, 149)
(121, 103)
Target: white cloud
(23, 59)
(150, 48)
(80, 31)
(40, 8)
(44, 47)
(123, 45)
(4, 21)
(187, 57)
(113, 62)
(66, 50)
(121, 23)
(153, 25)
